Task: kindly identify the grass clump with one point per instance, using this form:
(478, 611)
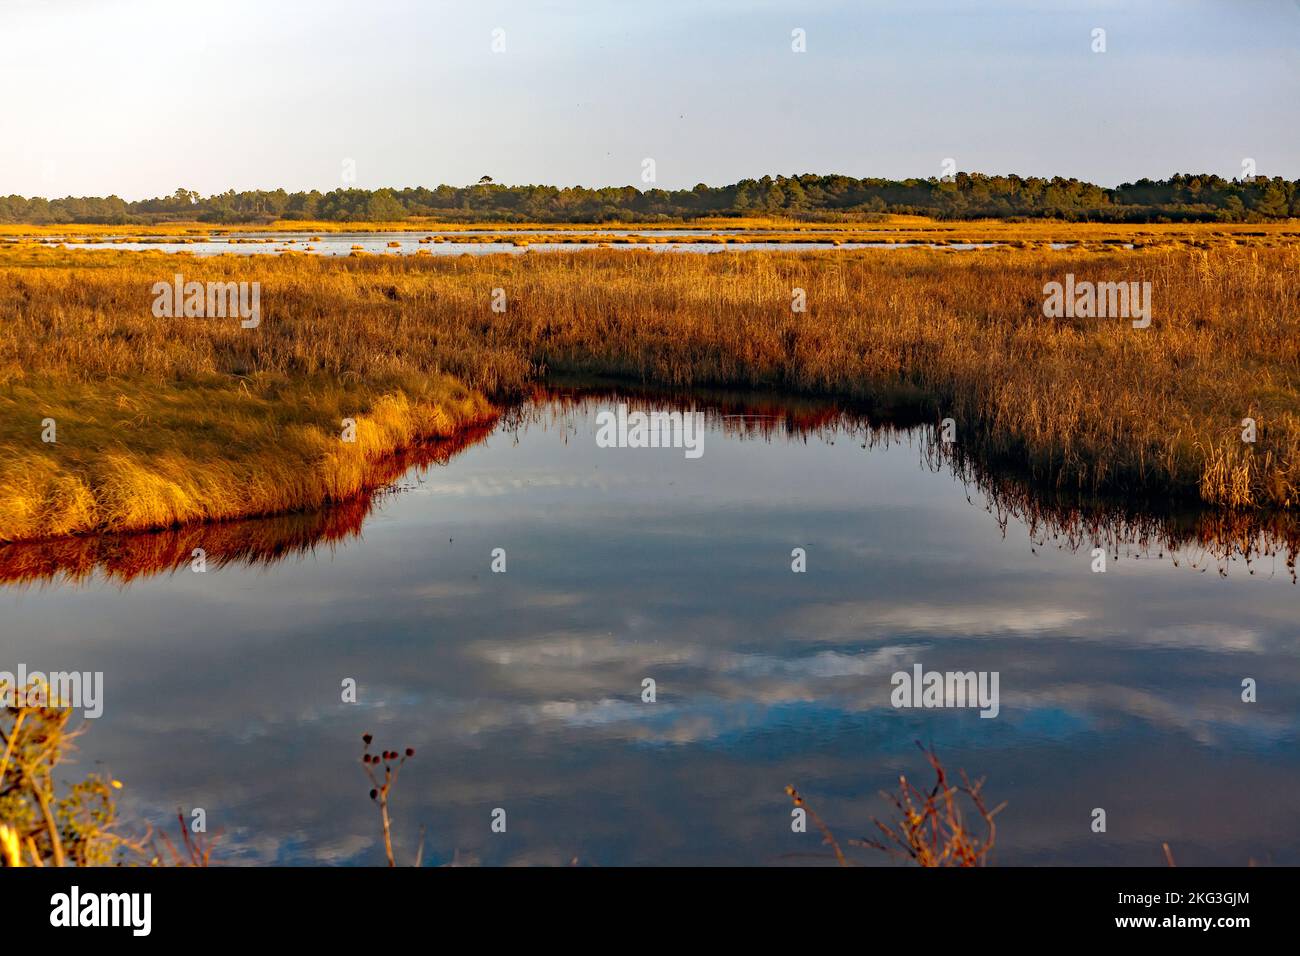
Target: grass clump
(133, 455)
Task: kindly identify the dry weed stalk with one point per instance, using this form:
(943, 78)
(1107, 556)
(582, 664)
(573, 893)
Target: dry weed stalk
(931, 828)
(392, 762)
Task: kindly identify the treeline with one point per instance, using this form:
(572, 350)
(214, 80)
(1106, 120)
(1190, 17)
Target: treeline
(1183, 197)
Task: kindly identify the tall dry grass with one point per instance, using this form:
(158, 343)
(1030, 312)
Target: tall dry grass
(168, 420)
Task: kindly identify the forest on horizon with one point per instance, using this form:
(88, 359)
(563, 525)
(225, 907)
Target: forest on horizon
(815, 198)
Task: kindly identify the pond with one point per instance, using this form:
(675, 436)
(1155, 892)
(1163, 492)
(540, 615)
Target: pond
(524, 689)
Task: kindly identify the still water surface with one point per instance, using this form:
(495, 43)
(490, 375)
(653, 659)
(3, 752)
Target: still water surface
(377, 243)
(522, 690)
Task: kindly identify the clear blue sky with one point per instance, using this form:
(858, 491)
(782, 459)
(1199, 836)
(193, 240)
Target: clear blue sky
(138, 97)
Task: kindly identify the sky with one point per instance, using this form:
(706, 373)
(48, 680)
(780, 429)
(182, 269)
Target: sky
(139, 97)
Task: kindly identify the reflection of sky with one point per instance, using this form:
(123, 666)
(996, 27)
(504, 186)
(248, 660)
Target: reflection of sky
(522, 690)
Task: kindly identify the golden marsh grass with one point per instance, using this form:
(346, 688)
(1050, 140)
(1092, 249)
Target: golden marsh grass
(164, 421)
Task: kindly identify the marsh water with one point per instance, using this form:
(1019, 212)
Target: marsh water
(523, 691)
(484, 242)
